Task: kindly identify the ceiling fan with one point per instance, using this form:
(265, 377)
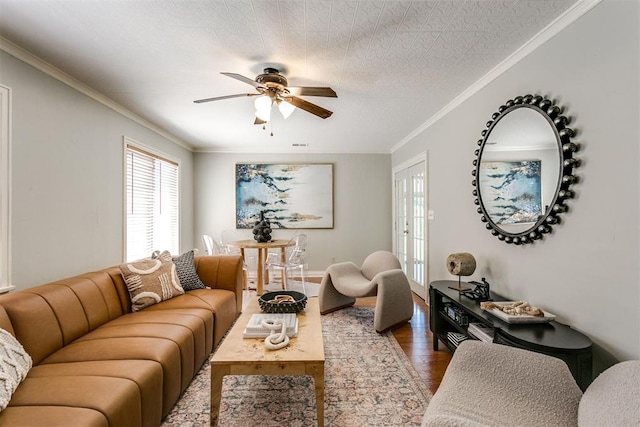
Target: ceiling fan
(272, 89)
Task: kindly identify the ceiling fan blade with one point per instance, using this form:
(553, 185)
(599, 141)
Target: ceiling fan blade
(258, 121)
(307, 106)
(244, 79)
(218, 98)
(312, 91)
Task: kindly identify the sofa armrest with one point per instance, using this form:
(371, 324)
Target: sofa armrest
(222, 272)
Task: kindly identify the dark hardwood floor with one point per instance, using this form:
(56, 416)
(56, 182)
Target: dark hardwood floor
(417, 342)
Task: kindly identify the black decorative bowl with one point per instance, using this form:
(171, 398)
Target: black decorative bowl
(268, 303)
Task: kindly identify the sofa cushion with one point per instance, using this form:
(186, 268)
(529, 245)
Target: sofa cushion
(186, 269)
(178, 334)
(117, 398)
(150, 281)
(146, 374)
(14, 366)
(223, 305)
(163, 351)
(612, 399)
(220, 302)
(52, 416)
(197, 321)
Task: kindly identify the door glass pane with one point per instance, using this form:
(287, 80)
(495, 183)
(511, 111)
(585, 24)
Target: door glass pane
(418, 218)
(401, 221)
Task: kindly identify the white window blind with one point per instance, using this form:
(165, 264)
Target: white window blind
(152, 204)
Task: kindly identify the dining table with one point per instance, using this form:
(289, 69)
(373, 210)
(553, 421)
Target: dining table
(262, 248)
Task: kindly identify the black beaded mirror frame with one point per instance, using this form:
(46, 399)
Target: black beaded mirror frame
(566, 150)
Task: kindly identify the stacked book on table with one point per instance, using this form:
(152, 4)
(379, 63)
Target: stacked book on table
(254, 328)
(456, 338)
(481, 332)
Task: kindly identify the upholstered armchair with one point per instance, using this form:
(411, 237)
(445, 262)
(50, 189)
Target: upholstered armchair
(380, 275)
(494, 385)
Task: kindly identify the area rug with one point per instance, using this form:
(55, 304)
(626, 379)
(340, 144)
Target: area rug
(369, 381)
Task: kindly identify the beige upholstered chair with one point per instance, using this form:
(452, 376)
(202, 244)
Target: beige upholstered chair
(379, 275)
(494, 385)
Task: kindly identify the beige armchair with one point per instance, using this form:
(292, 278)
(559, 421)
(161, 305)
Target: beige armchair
(494, 385)
(381, 276)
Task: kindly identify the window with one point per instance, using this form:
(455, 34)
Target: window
(152, 202)
(5, 259)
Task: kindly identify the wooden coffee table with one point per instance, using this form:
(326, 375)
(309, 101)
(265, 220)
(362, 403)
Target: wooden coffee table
(239, 356)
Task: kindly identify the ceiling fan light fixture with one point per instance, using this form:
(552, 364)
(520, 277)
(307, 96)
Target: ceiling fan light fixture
(264, 115)
(263, 107)
(286, 108)
(263, 103)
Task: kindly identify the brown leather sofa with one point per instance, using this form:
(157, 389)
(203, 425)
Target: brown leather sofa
(96, 363)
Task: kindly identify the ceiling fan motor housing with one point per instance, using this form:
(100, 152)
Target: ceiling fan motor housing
(271, 75)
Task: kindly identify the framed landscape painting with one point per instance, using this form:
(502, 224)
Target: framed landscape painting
(290, 195)
(511, 191)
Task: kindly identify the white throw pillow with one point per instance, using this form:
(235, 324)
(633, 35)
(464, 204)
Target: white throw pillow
(14, 366)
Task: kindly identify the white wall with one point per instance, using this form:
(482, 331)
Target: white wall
(362, 203)
(67, 178)
(586, 272)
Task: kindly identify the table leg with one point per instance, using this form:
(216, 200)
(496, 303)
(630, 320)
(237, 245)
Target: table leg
(283, 260)
(217, 372)
(244, 270)
(267, 276)
(260, 272)
(318, 380)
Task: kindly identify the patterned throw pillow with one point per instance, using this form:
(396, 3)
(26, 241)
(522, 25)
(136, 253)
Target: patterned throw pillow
(14, 366)
(151, 281)
(187, 274)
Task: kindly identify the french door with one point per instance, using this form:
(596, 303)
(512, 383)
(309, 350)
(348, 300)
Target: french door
(410, 223)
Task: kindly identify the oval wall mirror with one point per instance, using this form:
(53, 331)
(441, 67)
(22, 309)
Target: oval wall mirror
(524, 169)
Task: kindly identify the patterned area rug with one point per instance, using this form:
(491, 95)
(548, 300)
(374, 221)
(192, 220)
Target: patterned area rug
(369, 381)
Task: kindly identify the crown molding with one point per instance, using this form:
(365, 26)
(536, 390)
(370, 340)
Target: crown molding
(41, 65)
(556, 26)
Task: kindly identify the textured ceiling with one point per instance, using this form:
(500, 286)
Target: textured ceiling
(393, 64)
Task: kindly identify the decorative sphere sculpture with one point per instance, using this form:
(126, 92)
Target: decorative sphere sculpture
(262, 230)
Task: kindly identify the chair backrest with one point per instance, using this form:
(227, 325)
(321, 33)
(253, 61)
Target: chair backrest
(297, 252)
(211, 246)
(377, 262)
(229, 236)
(296, 256)
(208, 244)
(300, 240)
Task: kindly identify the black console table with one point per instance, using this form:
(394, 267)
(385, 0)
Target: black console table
(553, 338)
